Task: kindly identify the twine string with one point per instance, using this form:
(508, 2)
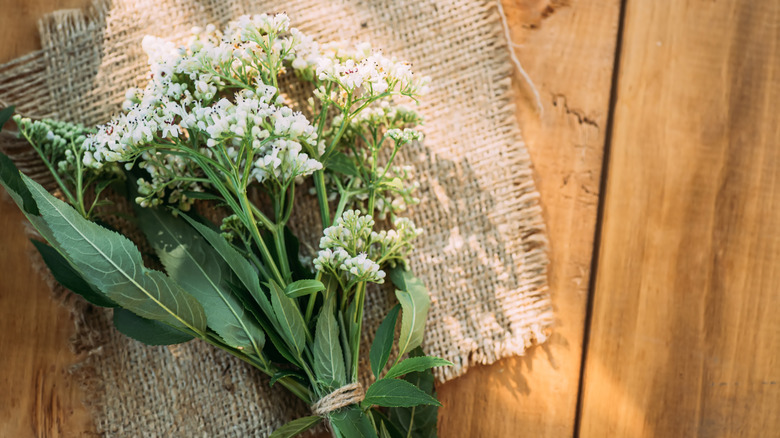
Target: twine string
(342, 397)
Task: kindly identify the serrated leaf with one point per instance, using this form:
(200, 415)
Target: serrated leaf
(240, 265)
(296, 427)
(302, 288)
(415, 301)
(289, 318)
(113, 265)
(11, 179)
(341, 163)
(328, 357)
(415, 364)
(196, 267)
(66, 275)
(383, 342)
(419, 421)
(352, 422)
(148, 331)
(395, 393)
(5, 115)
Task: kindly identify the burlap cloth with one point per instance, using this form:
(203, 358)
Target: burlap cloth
(482, 255)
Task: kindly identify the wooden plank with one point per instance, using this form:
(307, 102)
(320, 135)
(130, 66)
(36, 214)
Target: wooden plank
(39, 398)
(685, 338)
(568, 50)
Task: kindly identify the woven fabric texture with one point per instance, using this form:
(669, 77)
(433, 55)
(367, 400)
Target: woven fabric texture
(483, 252)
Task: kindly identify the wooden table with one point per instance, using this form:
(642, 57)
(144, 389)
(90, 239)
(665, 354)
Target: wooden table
(658, 152)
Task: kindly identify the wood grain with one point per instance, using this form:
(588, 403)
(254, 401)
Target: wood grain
(685, 336)
(568, 51)
(39, 398)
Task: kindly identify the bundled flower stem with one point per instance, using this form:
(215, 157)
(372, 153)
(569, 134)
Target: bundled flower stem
(213, 123)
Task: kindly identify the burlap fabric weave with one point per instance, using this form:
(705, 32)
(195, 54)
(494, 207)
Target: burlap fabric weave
(482, 255)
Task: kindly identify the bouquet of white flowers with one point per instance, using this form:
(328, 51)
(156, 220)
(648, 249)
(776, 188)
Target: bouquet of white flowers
(213, 126)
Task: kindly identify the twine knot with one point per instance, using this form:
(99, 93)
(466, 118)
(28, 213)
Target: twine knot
(342, 397)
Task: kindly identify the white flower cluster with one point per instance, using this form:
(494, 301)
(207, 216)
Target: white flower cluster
(356, 69)
(352, 248)
(345, 247)
(395, 245)
(216, 93)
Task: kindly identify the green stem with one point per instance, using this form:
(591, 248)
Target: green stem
(313, 298)
(322, 197)
(252, 225)
(360, 294)
(52, 170)
(281, 251)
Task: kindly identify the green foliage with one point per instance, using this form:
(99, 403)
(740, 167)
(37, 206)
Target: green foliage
(66, 275)
(148, 331)
(383, 342)
(417, 421)
(395, 393)
(112, 264)
(303, 288)
(5, 115)
(240, 266)
(295, 427)
(12, 181)
(415, 364)
(415, 301)
(328, 356)
(290, 319)
(193, 264)
(351, 422)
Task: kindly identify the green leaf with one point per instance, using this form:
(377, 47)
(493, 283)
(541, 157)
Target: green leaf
(394, 393)
(383, 342)
(296, 427)
(328, 358)
(419, 421)
(415, 302)
(290, 319)
(195, 266)
(351, 422)
(285, 373)
(148, 331)
(303, 287)
(277, 350)
(66, 275)
(414, 364)
(112, 264)
(341, 163)
(238, 263)
(11, 179)
(5, 115)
